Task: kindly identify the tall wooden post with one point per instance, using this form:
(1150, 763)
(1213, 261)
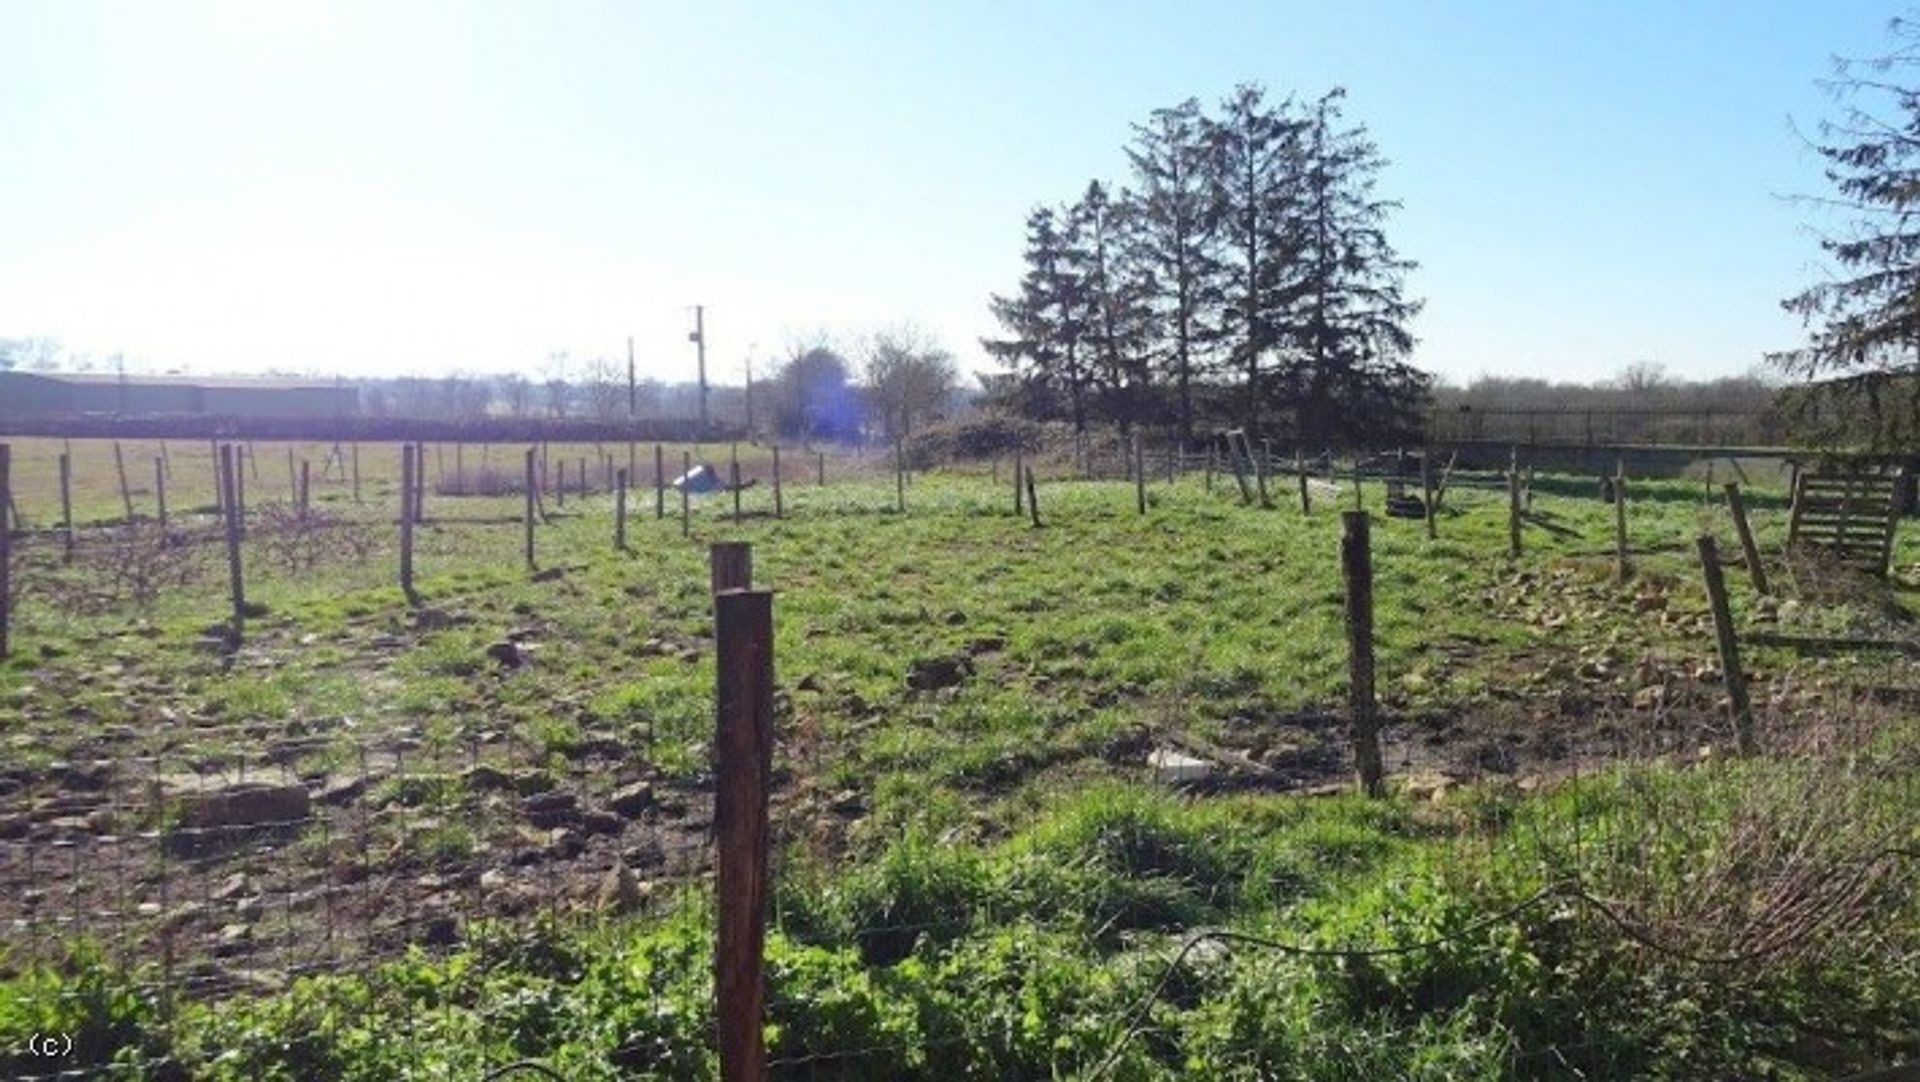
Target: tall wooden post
(6, 547)
(219, 485)
(734, 470)
(729, 566)
(409, 464)
(1033, 499)
(1306, 494)
(1621, 567)
(1729, 647)
(1139, 476)
(620, 511)
(659, 483)
(1207, 484)
(900, 475)
(1426, 491)
(1738, 506)
(306, 490)
(160, 490)
(237, 492)
(820, 468)
(66, 502)
(743, 761)
(230, 484)
(533, 490)
(1019, 477)
(686, 517)
(293, 479)
(560, 489)
(356, 471)
(779, 506)
(1513, 514)
(166, 460)
(126, 493)
(1260, 471)
(1356, 564)
(419, 483)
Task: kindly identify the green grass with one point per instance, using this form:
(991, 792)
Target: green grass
(1001, 884)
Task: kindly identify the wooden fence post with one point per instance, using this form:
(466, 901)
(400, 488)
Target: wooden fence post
(306, 490)
(66, 502)
(1208, 482)
(1033, 499)
(1356, 565)
(293, 479)
(659, 483)
(1723, 635)
(900, 475)
(6, 547)
(686, 517)
(1139, 476)
(1426, 492)
(743, 759)
(236, 510)
(1621, 567)
(1513, 513)
(533, 488)
(219, 486)
(734, 470)
(166, 459)
(559, 490)
(1259, 470)
(356, 471)
(620, 511)
(820, 466)
(160, 490)
(126, 493)
(237, 495)
(253, 460)
(409, 463)
(419, 482)
(779, 505)
(1019, 476)
(730, 566)
(1306, 494)
(1239, 456)
(1738, 506)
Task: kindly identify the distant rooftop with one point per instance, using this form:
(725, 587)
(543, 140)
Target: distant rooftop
(133, 379)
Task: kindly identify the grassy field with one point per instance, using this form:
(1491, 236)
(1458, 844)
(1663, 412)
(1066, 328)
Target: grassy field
(977, 875)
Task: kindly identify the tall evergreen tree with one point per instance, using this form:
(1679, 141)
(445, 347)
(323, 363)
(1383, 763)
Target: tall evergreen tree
(1863, 349)
(1346, 325)
(1252, 166)
(1173, 243)
(1096, 239)
(1046, 320)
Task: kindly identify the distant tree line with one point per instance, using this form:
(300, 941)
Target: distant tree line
(1244, 277)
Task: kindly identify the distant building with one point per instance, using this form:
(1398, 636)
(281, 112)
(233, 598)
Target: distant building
(51, 394)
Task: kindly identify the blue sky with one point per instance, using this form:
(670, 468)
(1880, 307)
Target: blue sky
(388, 188)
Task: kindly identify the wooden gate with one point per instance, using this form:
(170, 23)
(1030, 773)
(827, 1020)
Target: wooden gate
(1851, 515)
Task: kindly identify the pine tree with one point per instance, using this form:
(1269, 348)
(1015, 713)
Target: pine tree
(1864, 341)
(1046, 319)
(1345, 327)
(1252, 170)
(1172, 246)
(1095, 241)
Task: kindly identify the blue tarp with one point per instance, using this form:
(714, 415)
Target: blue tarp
(701, 478)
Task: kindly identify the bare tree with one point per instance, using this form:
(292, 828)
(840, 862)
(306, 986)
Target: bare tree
(909, 378)
(516, 391)
(557, 392)
(605, 382)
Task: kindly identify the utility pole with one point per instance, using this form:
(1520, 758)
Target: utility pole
(699, 338)
(749, 393)
(633, 383)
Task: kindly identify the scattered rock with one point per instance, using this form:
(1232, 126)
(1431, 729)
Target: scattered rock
(481, 778)
(933, 674)
(601, 822)
(244, 805)
(556, 807)
(620, 892)
(566, 844)
(551, 574)
(507, 653)
(439, 930)
(343, 791)
(1172, 767)
(632, 800)
(848, 802)
(234, 886)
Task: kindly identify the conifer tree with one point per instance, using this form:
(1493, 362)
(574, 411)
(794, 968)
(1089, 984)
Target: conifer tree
(1172, 249)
